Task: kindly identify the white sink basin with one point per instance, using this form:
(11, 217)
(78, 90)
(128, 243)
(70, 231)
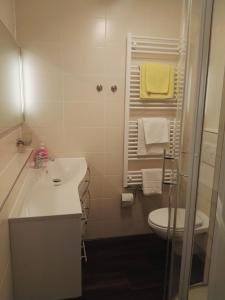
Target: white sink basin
(66, 170)
(51, 191)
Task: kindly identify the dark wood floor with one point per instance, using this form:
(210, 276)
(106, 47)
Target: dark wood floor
(127, 268)
(130, 268)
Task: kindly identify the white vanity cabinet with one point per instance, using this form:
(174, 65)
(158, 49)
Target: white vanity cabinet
(46, 236)
(46, 257)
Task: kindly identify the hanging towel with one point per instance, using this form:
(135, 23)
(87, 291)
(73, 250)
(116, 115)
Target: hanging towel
(158, 78)
(152, 181)
(156, 130)
(158, 82)
(143, 149)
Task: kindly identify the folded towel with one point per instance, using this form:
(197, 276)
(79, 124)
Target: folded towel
(158, 78)
(156, 130)
(145, 84)
(152, 181)
(143, 149)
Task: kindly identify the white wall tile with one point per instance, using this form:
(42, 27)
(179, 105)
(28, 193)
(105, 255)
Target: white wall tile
(7, 14)
(44, 113)
(113, 139)
(83, 114)
(83, 139)
(41, 57)
(8, 176)
(92, 33)
(114, 114)
(83, 59)
(83, 88)
(113, 163)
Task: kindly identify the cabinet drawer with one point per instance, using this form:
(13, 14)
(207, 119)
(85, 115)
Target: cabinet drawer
(85, 203)
(83, 186)
(85, 200)
(83, 227)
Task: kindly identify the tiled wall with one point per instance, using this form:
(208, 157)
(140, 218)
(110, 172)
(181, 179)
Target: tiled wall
(7, 153)
(206, 193)
(6, 290)
(190, 99)
(206, 176)
(213, 102)
(69, 47)
(7, 14)
(207, 189)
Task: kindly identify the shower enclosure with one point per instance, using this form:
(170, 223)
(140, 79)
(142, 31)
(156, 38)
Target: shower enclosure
(199, 162)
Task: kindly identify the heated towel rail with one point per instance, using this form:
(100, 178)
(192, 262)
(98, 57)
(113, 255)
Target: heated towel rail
(143, 49)
(132, 147)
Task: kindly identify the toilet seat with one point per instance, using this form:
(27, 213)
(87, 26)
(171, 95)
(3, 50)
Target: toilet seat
(159, 218)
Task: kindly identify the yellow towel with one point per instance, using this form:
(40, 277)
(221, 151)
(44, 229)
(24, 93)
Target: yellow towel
(157, 78)
(156, 81)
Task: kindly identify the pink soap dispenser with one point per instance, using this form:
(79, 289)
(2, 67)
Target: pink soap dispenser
(40, 157)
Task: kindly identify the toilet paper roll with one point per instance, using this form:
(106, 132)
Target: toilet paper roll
(127, 199)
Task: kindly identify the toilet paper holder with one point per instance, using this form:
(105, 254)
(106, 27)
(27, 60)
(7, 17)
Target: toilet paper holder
(127, 199)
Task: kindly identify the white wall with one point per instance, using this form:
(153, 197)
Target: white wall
(69, 47)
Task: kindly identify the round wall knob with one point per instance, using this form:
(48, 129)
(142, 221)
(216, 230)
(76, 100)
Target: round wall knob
(99, 87)
(113, 88)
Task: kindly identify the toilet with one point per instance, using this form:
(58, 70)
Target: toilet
(158, 221)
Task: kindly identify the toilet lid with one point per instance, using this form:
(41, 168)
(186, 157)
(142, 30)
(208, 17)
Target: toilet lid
(159, 217)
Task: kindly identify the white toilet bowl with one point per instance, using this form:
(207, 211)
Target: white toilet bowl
(158, 221)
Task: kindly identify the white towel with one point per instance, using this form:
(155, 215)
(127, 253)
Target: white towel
(156, 130)
(152, 181)
(143, 149)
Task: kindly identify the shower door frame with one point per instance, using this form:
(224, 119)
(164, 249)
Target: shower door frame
(193, 174)
(218, 194)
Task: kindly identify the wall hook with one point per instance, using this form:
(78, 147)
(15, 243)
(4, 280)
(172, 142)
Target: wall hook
(114, 88)
(99, 87)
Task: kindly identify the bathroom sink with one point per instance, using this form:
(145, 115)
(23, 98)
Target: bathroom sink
(45, 232)
(66, 170)
(52, 190)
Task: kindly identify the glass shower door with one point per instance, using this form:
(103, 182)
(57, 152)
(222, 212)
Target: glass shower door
(183, 198)
(210, 160)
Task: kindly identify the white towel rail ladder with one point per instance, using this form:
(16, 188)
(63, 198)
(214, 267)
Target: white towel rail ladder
(145, 48)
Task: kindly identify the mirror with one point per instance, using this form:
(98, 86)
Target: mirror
(11, 113)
